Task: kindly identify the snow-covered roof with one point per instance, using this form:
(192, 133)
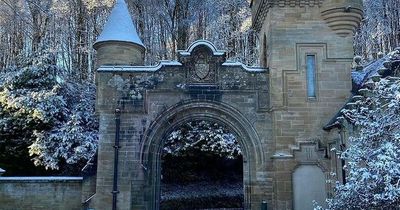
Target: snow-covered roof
(119, 26)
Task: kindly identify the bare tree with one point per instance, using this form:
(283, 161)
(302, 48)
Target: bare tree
(380, 28)
(40, 12)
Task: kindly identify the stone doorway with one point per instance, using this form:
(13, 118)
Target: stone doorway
(198, 111)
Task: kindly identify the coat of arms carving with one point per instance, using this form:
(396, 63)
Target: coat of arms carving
(202, 70)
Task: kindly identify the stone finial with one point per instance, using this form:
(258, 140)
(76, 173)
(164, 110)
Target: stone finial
(381, 55)
(2, 171)
(357, 63)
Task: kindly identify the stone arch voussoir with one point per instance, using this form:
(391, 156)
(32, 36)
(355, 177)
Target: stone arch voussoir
(168, 120)
(204, 110)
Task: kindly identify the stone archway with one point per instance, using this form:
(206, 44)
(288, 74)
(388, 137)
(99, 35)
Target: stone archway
(200, 85)
(253, 156)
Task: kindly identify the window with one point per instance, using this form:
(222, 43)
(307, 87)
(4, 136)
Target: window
(311, 80)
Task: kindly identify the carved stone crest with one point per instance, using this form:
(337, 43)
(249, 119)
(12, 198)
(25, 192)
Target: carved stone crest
(202, 70)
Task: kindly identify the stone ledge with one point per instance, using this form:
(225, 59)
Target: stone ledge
(36, 179)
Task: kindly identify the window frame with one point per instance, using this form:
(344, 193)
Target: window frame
(314, 72)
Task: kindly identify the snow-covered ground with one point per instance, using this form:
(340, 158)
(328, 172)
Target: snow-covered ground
(202, 195)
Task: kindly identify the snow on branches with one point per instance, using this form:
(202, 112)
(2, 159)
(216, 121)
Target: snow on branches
(204, 136)
(373, 153)
(51, 115)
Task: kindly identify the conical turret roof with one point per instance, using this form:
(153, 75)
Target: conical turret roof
(119, 26)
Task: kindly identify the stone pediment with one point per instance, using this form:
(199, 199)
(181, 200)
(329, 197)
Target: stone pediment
(201, 60)
(201, 64)
(201, 51)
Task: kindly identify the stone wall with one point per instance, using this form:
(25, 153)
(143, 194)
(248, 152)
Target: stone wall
(40, 193)
(292, 33)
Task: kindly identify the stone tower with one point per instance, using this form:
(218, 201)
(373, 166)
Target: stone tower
(117, 46)
(119, 43)
(307, 45)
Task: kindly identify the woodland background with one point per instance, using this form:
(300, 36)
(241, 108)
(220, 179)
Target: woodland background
(48, 124)
(47, 63)
(68, 28)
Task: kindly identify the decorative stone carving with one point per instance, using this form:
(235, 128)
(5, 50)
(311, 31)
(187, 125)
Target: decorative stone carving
(202, 69)
(308, 152)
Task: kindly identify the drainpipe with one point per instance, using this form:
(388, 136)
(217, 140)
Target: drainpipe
(343, 148)
(116, 149)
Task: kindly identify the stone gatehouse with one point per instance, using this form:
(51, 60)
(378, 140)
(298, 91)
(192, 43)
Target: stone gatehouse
(277, 111)
(153, 101)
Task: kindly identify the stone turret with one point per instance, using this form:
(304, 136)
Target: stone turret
(119, 42)
(342, 16)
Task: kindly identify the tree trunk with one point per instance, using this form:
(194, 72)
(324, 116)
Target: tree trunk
(39, 11)
(81, 48)
(182, 12)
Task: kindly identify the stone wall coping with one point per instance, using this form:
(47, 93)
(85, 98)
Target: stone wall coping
(121, 68)
(41, 179)
(246, 68)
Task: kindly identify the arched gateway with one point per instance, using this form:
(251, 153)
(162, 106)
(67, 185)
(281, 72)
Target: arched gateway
(152, 101)
(192, 110)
